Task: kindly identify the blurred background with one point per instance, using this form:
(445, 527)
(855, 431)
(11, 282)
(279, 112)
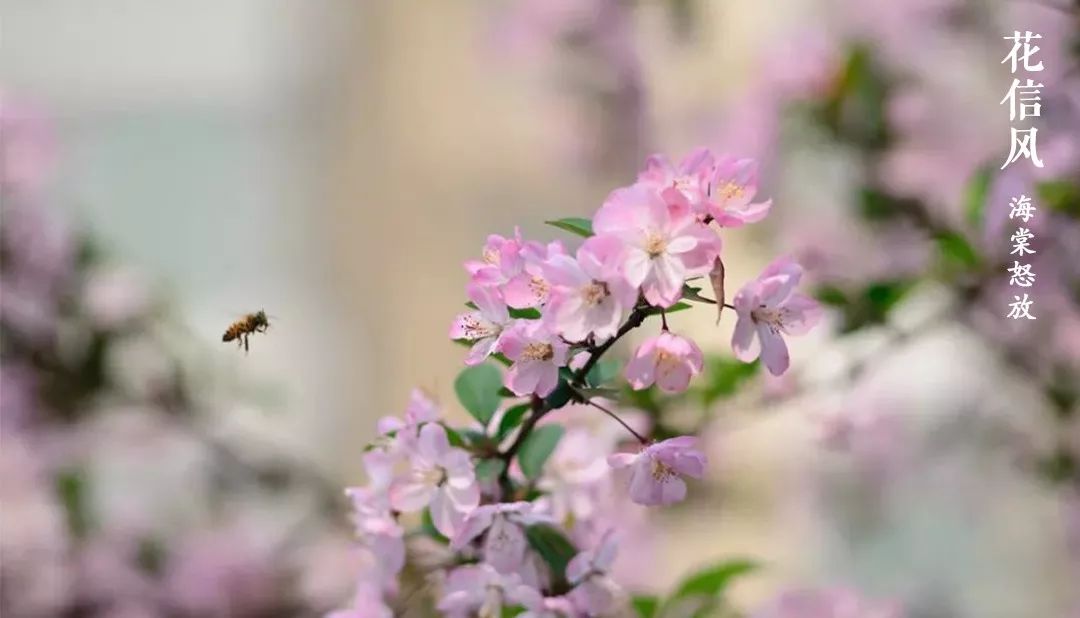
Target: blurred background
(171, 166)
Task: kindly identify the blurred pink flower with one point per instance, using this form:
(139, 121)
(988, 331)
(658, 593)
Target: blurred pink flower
(221, 572)
(505, 543)
(594, 592)
(589, 296)
(113, 297)
(537, 354)
(656, 468)
(667, 360)
(664, 244)
(481, 590)
(441, 478)
(28, 150)
(767, 307)
(827, 603)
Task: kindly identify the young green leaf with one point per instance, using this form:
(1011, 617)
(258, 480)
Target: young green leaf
(510, 420)
(489, 469)
(645, 606)
(553, 547)
(574, 225)
(712, 581)
(477, 388)
(537, 448)
(976, 194)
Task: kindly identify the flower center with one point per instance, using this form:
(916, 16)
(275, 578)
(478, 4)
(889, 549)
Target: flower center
(539, 287)
(475, 329)
(683, 183)
(655, 245)
(537, 351)
(490, 256)
(433, 476)
(771, 316)
(594, 293)
(661, 472)
(730, 191)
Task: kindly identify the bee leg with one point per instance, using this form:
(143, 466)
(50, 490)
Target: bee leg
(245, 344)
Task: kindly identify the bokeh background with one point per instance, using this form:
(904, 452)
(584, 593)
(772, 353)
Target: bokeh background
(334, 163)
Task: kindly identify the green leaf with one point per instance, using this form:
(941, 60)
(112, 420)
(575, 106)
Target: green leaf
(72, 494)
(712, 581)
(507, 393)
(510, 420)
(477, 389)
(427, 526)
(489, 469)
(453, 437)
(690, 292)
(724, 376)
(560, 396)
(956, 250)
(574, 225)
(645, 606)
(553, 547)
(536, 449)
(679, 306)
(976, 194)
(831, 295)
(603, 372)
(1061, 196)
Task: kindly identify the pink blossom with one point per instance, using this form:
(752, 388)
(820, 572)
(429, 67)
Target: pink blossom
(734, 185)
(441, 478)
(589, 294)
(667, 360)
(504, 543)
(827, 603)
(537, 354)
(421, 409)
(480, 590)
(500, 261)
(575, 475)
(664, 242)
(377, 528)
(552, 607)
(484, 327)
(691, 178)
(768, 307)
(367, 603)
(655, 470)
(530, 288)
(594, 593)
(221, 573)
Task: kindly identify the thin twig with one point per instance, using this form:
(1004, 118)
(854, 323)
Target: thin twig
(619, 420)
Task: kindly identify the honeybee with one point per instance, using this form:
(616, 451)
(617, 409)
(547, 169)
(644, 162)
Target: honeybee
(243, 328)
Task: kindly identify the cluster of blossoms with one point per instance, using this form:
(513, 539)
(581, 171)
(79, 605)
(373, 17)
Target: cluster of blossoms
(517, 517)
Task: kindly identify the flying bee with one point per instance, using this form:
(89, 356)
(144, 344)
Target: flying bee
(244, 327)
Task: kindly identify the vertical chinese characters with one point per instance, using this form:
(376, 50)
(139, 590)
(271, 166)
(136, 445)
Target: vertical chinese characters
(1023, 98)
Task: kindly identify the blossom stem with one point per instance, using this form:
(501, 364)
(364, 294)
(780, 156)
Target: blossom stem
(729, 306)
(619, 420)
(663, 320)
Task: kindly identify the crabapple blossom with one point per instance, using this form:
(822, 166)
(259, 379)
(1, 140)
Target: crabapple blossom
(734, 185)
(667, 360)
(664, 243)
(655, 470)
(421, 409)
(537, 354)
(768, 307)
(377, 528)
(589, 295)
(691, 178)
(594, 593)
(505, 543)
(500, 261)
(552, 607)
(441, 478)
(530, 287)
(480, 590)
(485, 326)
